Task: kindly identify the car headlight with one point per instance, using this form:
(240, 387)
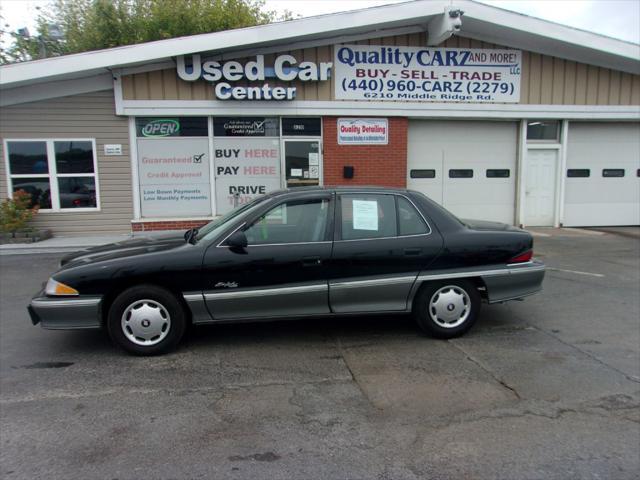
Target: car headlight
(56, 288)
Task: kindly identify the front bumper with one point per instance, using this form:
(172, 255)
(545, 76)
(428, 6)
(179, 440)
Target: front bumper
(65, 313)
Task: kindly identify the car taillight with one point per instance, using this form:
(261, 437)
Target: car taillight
(523, 257)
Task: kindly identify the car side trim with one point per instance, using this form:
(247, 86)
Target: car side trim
(372, 282)
(502, 283)
(535, 267)
(195, 302)
(258, 292)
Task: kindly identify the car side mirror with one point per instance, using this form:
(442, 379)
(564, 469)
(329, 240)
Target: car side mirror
(237, 240)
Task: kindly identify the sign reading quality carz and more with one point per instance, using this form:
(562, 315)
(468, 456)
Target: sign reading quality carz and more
(368, 72)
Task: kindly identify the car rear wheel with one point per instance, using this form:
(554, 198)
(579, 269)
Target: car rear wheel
(146, 320)
(447, 309)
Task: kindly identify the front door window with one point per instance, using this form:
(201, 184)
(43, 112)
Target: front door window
(300, 221)
(302, 163)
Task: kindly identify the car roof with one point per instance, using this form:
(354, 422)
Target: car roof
(338, 189)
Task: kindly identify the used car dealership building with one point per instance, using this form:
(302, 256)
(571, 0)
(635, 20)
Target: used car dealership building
(493, 114)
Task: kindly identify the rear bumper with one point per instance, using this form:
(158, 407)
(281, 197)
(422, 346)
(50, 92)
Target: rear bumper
(65, 313)
(515, 281)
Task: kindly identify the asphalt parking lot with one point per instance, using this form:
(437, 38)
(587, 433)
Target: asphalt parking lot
(542, 389)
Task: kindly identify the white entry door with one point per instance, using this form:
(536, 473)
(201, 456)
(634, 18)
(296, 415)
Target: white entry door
(540, 188)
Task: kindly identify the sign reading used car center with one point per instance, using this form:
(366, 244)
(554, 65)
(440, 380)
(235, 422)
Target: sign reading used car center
(369, 72)
(285, 68)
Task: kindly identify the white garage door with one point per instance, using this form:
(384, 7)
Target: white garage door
(468, 167)
(602, 187)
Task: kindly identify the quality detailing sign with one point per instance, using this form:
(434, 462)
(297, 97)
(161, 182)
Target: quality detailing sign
(363, 131)
(285, 68)
(368, 72)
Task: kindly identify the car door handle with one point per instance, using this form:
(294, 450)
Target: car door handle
(311, 261)
(412, 251)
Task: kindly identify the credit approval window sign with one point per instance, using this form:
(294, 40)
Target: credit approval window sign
(369, 72)
(174, 177)
(363, 131)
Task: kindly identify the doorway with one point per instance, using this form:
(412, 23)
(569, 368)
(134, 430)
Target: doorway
(302, 163)
(540, 187)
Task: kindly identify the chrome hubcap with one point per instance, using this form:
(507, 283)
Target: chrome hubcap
(449, 306)
(146, 322)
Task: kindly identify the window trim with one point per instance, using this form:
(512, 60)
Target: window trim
(53, 174)
(337, 230)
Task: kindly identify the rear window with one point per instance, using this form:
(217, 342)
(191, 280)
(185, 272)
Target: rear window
(410, 222)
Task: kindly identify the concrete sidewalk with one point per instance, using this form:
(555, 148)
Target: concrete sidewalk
(71, 244)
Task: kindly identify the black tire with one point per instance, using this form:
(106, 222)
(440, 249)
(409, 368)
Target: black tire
(422, 310)
(162, 305)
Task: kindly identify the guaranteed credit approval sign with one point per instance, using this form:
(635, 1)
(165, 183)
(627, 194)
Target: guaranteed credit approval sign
(369, 72)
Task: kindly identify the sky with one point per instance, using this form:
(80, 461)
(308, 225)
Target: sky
(615, 18)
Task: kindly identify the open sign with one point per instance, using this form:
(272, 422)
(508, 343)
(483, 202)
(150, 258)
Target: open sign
(162, 127)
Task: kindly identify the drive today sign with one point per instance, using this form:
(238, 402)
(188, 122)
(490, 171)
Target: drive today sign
(368, 72)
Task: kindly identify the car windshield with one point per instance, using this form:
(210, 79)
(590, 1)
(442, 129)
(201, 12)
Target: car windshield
(215, 227)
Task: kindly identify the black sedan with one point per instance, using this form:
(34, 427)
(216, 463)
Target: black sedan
(292, 254)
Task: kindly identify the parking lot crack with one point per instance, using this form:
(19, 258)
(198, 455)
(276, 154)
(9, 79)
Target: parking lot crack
(593, 357)
(484, 367)
(353, 376)
(617, 404)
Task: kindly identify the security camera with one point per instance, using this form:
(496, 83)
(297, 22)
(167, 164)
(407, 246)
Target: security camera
(455, 19)
(443, 26)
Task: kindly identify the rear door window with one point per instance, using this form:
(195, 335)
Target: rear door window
(366, 216)
(410, 222)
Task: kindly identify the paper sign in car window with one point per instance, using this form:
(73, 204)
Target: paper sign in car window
(365, 215)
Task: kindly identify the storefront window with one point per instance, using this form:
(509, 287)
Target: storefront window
(173, 167)
(58, 174)
(246, 159)
(301, 127)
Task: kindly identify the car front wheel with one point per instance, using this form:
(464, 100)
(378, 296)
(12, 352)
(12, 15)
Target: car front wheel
(146, 320)
(447, 309)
